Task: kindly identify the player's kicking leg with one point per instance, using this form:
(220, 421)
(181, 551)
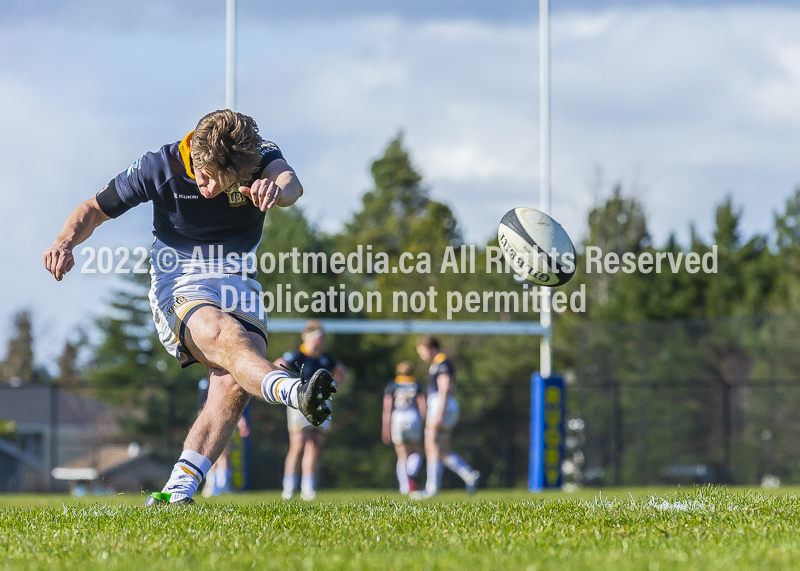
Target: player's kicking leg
(219, 341)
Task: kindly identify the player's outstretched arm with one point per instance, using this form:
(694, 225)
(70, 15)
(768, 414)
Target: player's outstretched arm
(58, 258)
(278, 186)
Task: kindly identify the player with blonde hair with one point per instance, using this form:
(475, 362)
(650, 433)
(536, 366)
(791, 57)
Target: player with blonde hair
(210, 192)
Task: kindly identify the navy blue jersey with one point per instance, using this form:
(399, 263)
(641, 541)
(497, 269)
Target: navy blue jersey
(300, 361)
(404, 391)
(441, 366)
(182, 217)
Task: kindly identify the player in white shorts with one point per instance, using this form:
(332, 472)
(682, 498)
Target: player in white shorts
(443, 412)
(403, 409)
(305, 439)
(210, 192)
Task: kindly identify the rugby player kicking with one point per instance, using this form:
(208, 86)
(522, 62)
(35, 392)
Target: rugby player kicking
(210, 193)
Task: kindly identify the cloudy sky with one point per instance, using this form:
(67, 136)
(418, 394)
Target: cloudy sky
(681, 101)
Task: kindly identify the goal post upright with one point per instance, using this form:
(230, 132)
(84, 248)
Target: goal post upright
(230, 54)
(548, 403)
(545, 344)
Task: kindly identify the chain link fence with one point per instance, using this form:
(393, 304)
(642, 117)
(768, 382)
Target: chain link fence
(693, 401)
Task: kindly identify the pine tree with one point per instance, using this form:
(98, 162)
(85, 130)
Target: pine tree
(786, 297)
(70, 373)
(617, 226)
(397, 217)
(18, 365)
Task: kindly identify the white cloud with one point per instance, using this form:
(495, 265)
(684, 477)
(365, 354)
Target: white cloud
(676, 94)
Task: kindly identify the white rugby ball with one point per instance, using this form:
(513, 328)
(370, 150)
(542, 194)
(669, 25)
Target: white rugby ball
(536, 247)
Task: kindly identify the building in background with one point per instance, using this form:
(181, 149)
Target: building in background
(114, 468)
(44, 428)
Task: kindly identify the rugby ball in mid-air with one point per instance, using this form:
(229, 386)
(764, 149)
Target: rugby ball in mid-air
(536, 247)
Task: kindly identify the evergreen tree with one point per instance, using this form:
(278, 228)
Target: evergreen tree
(746, 275)
(70, 374)
(786, 297)
(787, 225)
(286, 229)
(617, 226)
(397, 217)
(18, 365)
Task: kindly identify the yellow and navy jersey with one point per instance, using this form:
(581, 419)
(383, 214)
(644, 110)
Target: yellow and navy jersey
(441, 366)
(300, 361)
(182, 218)
(404, 390)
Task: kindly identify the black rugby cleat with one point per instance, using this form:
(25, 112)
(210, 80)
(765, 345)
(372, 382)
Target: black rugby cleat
(313, 395)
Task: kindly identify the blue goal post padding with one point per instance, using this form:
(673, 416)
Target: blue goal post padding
(548, 415)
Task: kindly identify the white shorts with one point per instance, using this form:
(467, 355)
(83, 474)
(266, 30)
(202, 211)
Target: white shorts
(174, 296)
(297, 422)
(406, 426)
(451, 411)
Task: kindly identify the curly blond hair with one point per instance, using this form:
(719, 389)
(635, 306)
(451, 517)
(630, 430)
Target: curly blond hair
(225, 146)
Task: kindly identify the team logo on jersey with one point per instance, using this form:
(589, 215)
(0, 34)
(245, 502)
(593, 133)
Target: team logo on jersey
(179, 300)
(236, 198)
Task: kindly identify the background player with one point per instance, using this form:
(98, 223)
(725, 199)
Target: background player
(403, 408)
(305, 439)
(442, 416)
(210, 192)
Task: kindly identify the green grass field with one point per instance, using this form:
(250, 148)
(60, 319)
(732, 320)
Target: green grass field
(647, 529)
